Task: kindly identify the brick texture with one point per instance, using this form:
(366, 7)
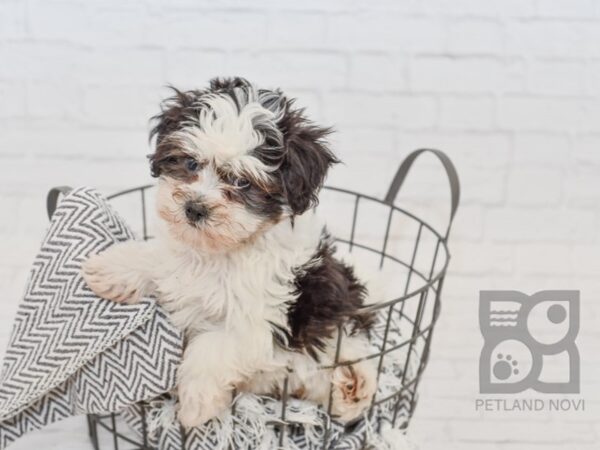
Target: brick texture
(510, 89)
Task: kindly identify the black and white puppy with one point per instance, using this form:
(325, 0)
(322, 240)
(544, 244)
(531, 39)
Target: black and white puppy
(242, 264)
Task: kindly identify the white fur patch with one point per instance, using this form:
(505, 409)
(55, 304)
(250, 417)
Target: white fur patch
(226, 135)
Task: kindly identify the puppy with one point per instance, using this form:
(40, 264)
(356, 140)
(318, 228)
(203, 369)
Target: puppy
(241, 263)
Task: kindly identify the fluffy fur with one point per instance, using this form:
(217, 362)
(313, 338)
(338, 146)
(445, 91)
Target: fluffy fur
(241, 263)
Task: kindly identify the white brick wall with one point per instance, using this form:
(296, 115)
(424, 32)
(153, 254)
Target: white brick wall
(509, 88)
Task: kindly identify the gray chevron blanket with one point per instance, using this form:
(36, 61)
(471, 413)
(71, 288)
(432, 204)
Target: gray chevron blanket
(71, 352)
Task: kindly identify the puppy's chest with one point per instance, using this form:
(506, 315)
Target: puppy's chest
(201, 293)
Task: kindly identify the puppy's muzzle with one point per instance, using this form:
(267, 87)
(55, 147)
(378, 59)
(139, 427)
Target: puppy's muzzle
(195, 211)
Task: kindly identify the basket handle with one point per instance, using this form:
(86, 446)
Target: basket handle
(405, 167)
(52, 198)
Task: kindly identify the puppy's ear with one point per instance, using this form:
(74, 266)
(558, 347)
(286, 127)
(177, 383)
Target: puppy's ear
(171, 114)
(306, 159)
(169, 119)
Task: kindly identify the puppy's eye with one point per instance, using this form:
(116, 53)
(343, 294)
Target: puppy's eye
(241, 183)
(191, 164)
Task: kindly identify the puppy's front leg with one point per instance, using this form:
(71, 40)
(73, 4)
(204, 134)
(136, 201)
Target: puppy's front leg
(121, 273)
(209, 372)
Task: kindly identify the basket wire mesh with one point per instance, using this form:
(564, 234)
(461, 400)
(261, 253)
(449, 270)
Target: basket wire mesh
(417, 321)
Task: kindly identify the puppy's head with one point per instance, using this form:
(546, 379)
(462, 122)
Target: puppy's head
(232, 161)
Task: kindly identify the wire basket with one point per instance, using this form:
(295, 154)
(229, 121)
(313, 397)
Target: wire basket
(405, 249)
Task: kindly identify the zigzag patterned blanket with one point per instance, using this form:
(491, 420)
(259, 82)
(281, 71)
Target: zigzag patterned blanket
(71, 352)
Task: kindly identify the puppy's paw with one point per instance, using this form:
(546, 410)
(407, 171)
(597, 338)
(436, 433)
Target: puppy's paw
(353, 389)
(109, 278)
(197, 405)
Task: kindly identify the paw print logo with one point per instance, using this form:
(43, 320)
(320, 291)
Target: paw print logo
(510, 362)
(505, 367)
(523, 332)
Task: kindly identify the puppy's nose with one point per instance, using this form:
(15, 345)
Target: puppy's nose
(195, 212)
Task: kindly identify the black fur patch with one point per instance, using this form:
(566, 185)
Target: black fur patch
(258, 199)
(329, 295)
(172, 162)
(306, 159)
(174, 111)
